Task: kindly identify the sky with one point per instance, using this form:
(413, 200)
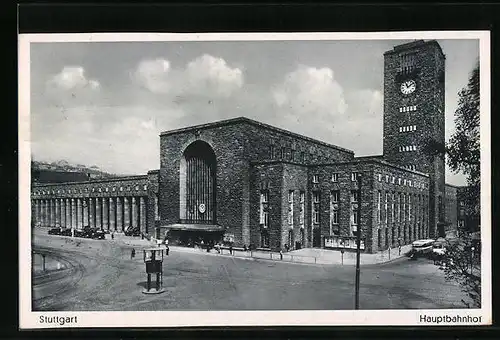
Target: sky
(105, 103)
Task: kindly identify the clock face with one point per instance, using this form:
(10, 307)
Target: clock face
(408, 86)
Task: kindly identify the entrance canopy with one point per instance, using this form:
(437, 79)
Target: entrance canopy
(193, 227)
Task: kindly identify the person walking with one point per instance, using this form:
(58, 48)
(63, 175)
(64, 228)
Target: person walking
(132, 254)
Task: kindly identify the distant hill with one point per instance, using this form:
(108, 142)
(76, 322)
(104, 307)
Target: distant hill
(65, 166)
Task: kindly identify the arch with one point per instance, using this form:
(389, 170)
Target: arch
(197, 180)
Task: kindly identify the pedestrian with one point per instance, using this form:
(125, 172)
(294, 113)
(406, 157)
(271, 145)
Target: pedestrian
(231, 249)
(281, 255)
(287, 247)
(167, 250)
(244, 247)
(132, 253)
(112, 235)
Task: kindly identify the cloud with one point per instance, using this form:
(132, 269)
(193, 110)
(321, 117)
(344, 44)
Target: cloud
(365, 103)
(72, 77)
(203, 76)
(153, 75)
(309, 90)
(210, 73)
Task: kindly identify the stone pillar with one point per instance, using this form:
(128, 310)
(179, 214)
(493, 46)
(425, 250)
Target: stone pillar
(134, 212)
(126, 213)
(112, 212)
(105, 224)
(73, 213)
(92, 212)
(79, 213)
(142, 214)
(98, 213)
(119, 214)
(57, 211)
(85, 215)
(68, 212)
(62, 212)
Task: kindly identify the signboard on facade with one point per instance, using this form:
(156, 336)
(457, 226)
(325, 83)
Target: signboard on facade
(343, 242)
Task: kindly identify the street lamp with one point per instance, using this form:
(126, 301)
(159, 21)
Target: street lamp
(358, 244)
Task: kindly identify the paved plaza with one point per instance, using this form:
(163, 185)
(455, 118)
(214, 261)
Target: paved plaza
(99, 275)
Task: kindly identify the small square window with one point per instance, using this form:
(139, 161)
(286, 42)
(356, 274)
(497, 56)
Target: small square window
(399, 181)
(380, 177)
(121, 188)
(335, 177)
(107, 189)
(315, 179)
(393, 179)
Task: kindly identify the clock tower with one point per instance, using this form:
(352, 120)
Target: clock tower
(414, 115)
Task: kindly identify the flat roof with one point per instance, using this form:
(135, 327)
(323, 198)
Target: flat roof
(95, 180)
(414, 44)
(240, 120)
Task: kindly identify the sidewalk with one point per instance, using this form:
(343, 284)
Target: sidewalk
(306, 255)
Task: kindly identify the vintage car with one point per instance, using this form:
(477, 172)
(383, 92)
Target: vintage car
(133, 231)
(55, 231)
(421, 248)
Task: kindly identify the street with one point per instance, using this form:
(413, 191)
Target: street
(101, 276)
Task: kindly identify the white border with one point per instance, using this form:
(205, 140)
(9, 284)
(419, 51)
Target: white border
(29, 319)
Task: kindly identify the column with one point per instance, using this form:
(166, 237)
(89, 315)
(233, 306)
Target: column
(126, 213)
(105, 224)
(57, 210)
(134, 212)
(73, 213)
(68, 212)
(79, 213)
(98, 213)
(112, 212)
(85, 212)
(52, 212)
(142, 214)
(92, 212)
(119, 214)
(62, 212)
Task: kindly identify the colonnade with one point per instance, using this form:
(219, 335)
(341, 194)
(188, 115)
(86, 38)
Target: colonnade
(106, 213)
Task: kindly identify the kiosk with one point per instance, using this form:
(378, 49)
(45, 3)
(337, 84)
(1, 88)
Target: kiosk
(153, 258)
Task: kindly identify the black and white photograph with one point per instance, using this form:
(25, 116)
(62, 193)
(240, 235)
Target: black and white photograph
(254, 179)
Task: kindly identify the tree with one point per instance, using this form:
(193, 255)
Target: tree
(461, 261)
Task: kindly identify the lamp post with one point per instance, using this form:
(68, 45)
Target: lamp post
(358, 244)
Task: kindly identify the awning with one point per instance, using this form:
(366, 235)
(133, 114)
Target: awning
(193, 227)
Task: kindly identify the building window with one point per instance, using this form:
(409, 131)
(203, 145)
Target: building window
(335, 196)
(409, 207)
(335, 177)
(290, 207)
(334, 213)
(387, 178)
(302, 157)
(354, 176)
(264, 214)
(392, 208)
(379, 218)
(264, 238)
(355, 217)
(335, 221)
(399, 181)
(302, 207)
(282, 153)
(399, 208)
(315, 178)
(292, 155)
(271, 151)
(393, 179)
(404, 208)
(386, 205)
(316, 207)
(354, 196)
(380, 177)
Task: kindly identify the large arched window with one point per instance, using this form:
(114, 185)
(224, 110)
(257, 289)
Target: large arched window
(197, 184)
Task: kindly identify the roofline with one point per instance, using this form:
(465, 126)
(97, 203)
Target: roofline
(237, 120)
(455, 186)
(154, 171)
(413, 44)
(373, 161)
(100, 180)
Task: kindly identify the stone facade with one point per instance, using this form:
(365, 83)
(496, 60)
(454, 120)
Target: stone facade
(254, 184)
(411, 120)
(110, 204)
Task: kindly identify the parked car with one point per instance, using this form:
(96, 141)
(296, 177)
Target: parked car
(65, 232)
(79, 233)
(55, 231)
(133, 231)
(421, 248)
(98, 234)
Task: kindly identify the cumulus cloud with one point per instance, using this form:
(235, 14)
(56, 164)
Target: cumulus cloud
(205, 75)
(153, 75)
(309, 90)
(72, 77)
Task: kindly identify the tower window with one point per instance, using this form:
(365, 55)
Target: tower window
(380, 176)
(315, 179)
(271, 151)
(354, 176)
(335, 177)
